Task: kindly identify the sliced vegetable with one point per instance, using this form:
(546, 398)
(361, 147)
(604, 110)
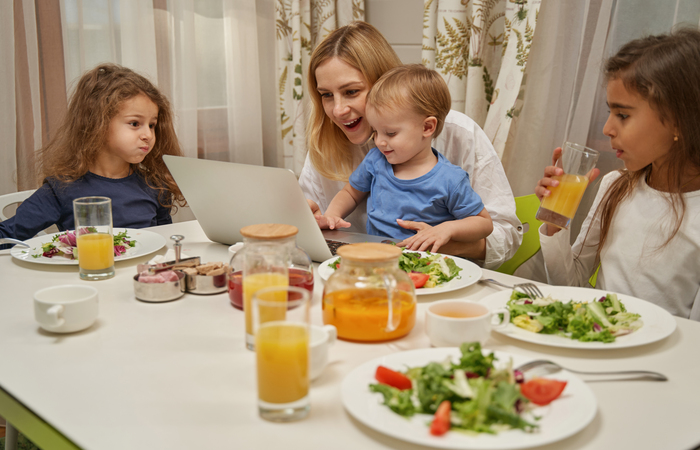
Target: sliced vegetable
(541, 391)
(419, 279)
(392, 378)
(441, 421)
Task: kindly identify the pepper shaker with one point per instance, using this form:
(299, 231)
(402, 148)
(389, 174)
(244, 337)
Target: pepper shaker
(177, 246)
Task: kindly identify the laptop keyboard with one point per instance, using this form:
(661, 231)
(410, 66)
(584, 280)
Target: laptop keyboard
(334, 245)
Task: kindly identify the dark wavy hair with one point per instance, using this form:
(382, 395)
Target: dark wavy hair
(98, 96)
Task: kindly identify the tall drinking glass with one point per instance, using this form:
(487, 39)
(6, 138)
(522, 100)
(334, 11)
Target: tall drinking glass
(93, 232)
(560, 206)
(281, 326)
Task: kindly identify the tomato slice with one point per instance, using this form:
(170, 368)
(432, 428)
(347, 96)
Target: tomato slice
(441, 421)
(541, 391)
(419, 279)
(392, 378)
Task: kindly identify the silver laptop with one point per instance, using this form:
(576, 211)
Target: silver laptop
(225, 197)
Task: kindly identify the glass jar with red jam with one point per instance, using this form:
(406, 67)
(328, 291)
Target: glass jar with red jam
(301, 273)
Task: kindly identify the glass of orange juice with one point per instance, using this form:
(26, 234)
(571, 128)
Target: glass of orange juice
(93, 232)
(281, 327)
(560, 206)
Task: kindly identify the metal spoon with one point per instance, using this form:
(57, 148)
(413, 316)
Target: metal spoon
(546, 367)
(13, 241)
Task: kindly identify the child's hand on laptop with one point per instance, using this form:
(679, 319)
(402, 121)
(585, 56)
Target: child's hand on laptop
(330, 222)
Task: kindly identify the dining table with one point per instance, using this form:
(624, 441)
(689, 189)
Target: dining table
(177, 375)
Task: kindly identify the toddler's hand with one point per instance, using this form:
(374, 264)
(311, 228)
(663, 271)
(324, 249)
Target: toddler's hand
(427, 238)
(335, 222)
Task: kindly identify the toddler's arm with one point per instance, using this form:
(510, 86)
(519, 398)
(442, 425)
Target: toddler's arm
(343, 204)
(469, 229)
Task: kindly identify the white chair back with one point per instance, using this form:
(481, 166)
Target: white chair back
(9, 199)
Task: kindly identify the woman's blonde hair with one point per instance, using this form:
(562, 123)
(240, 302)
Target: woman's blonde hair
(83, 133)
(363, 47)
(663, 70)
(412, 87)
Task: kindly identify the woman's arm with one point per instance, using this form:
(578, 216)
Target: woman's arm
(466, 145)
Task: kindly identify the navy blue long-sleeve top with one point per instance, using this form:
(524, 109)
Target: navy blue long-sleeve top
(134, 205)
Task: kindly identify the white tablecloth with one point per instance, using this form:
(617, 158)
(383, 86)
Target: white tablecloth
(177, 375)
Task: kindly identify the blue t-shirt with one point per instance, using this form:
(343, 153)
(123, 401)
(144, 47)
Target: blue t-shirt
(440, 195)
(134, 205)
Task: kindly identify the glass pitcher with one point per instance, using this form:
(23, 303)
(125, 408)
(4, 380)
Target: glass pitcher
(368, 298)
(269, 257)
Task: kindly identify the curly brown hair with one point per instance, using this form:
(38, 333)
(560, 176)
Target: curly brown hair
(81, 137)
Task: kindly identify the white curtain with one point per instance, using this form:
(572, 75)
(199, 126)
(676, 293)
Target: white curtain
(300, 26)
(8, 118)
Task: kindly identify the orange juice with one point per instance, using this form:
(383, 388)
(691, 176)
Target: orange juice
(564, 199)
(282, 354)
(95, 251)
(362, 314)
(253, 283)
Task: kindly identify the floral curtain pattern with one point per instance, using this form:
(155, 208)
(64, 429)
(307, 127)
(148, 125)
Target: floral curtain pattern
(300, 26)
(481, 49)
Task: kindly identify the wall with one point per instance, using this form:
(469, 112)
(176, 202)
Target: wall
(401, 23)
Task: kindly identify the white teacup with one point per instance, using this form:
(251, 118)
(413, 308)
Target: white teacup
(449, 323)
(321, 339)
(65, 309)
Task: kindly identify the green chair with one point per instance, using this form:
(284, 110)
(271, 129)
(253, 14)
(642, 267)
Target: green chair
(526, 208)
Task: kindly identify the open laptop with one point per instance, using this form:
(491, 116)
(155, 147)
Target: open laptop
(225, 197)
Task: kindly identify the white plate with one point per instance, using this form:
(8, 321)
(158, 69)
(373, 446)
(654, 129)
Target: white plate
(146, 242)
(470, 274)
(565, 416)
(658, 323)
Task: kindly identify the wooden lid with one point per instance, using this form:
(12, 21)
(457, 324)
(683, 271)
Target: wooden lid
(269, 231)
(369, 252)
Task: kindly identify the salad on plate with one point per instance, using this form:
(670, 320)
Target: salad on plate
(471, 395)
(600, 320)
(427, 270)
(65, 244)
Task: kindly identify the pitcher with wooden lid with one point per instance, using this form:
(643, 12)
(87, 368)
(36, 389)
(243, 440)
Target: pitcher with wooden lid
(269, 258)
(369, 298)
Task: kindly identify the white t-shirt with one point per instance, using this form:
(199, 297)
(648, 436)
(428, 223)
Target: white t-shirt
(466, 145)
(633, 259)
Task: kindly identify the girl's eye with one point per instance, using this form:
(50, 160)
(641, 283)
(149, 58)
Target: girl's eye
(622, 116)
(134, 124)
(152, 126)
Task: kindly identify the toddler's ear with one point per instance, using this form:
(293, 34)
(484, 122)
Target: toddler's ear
(429, 126)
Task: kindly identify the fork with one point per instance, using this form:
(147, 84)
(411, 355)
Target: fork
(552, 367)
(13, 241)
(530, 289)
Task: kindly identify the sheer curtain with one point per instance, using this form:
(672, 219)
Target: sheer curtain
(202, 54)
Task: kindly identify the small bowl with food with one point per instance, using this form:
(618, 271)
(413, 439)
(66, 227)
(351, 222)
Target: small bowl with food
(164, 286)
(206, 279)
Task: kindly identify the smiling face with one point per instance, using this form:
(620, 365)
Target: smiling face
(636, 132)
(403, 137)
(343, 91)
(131, 133)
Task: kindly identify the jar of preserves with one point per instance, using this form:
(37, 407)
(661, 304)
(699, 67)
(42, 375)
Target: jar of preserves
(369, 298)
(269, 257)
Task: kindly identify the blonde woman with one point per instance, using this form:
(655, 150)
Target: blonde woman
(343, 69)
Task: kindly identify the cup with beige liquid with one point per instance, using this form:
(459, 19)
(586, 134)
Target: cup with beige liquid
(450, 323)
